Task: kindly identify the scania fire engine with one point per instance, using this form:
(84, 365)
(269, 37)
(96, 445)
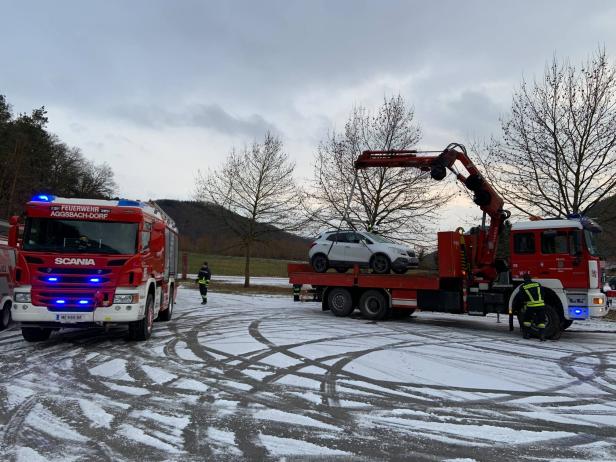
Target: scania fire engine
(93, 263)
(560, 254)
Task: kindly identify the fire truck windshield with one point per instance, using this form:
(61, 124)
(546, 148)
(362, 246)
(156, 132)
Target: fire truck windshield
(591, 242)
(52, 235)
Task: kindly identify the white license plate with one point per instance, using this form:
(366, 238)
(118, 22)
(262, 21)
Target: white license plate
(71, 318)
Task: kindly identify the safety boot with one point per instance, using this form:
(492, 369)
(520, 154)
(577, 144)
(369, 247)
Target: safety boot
(542, 336)
(525, 333)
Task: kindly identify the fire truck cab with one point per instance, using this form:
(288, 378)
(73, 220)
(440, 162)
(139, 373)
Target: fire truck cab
(561, 255)
(93, 263)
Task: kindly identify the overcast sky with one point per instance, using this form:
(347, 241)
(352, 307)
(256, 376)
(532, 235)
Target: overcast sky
(160, 89)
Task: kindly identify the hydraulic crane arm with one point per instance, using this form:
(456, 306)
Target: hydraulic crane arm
(485, 196)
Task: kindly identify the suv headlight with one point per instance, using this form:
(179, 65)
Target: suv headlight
(23, 297)
(126, 298)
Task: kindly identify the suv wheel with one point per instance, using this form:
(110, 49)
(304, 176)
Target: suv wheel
(319, 263)
(380, 264)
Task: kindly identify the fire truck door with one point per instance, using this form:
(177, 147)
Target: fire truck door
(561, 252)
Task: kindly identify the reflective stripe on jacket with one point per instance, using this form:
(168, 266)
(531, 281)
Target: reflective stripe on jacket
(533, 300)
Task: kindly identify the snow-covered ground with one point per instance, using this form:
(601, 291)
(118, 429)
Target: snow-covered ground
(255, 280)
(257, 377)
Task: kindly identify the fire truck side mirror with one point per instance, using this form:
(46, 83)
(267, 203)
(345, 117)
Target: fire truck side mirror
(13, 237)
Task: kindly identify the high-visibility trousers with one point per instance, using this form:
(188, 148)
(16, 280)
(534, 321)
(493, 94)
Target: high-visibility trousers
(203, 289)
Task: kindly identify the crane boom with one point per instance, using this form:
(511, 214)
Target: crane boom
(485, 196)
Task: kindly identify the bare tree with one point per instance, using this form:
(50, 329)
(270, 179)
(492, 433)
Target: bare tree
(255, 193)
(557, 154)
(392, 201)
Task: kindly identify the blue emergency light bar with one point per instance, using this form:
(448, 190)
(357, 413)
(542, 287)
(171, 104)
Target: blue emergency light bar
(95, 280)
(129, 203)
(83, 302)
(60, 301)
(52, 279)
(43, 198)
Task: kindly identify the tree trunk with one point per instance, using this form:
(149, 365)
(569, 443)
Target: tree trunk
(247, 266)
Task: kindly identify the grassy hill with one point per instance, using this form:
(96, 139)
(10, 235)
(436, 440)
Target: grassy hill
(203, 230)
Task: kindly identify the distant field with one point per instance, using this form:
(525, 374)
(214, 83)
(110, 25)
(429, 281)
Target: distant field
(234, 266)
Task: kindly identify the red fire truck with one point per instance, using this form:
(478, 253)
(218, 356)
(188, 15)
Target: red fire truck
(560, 254)
(93, 263)
(7, 284)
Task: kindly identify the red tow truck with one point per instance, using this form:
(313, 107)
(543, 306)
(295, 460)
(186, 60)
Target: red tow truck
(93, 263)
(560, 254)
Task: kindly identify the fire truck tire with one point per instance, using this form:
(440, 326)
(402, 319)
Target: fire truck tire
(319, 263)
(35, 334)
(553, 329)
(380, 264)
(5, 316)
(340, 301)
(373, 305)
(168, 313)
(567, 323)
(142, 330)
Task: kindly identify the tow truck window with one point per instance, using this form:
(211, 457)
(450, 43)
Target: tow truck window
(554, 242)
(524, 243)
(52, 235)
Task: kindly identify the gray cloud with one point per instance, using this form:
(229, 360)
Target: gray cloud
(208, 116)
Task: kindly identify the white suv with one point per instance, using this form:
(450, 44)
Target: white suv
(343, 249)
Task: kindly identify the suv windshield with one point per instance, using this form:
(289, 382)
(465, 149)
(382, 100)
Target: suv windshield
(51, 235)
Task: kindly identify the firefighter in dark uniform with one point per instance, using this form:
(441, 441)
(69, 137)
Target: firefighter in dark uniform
(203, 279)
(533, 318)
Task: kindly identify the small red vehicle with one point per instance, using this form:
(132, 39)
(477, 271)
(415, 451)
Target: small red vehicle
(560, 254)
(93, 263)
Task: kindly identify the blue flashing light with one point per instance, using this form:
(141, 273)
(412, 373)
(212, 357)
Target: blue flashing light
(43, 198)
(129, 203)
(577, 311)
(52, 279)
(60, 301)
(83, 302)
(95, 280)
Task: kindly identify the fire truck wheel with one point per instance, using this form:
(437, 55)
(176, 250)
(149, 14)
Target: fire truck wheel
(35, 334)
(5, 316)
(553, 329)
(380, 264)
(142, 329)
(373, 305)
(319, 263)
(168, 313)
(567, 323)
(340, 302)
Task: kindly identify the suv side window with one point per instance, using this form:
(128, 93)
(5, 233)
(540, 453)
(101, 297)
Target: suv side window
(552, 242)
(354, 238)
(337, 237)
(524, 243)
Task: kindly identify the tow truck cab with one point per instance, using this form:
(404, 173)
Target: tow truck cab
(562, 255)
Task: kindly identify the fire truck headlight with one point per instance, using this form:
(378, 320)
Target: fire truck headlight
(126, 298)
(597, 301)
(23, 297)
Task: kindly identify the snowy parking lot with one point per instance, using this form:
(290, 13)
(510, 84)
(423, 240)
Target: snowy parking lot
(258, 377)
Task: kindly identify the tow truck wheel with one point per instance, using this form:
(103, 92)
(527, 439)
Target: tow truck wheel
(5, 316)
(380, 264)
(319, 263)
(340, 302)
(142, 330)
(35, 334)
(168, 313)
(373, 305)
